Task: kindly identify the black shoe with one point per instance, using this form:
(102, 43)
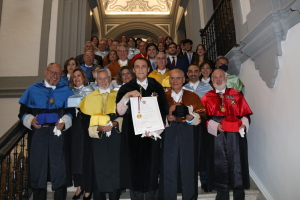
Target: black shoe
(87, 198)
(204, 187)
(78, 196)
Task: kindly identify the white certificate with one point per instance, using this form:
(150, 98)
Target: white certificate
(150, 115)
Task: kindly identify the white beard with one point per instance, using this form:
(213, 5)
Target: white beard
(220, 87)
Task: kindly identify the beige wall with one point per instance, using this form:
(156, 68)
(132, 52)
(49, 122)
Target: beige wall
(9, 110)
(273, 138)
(20, 36)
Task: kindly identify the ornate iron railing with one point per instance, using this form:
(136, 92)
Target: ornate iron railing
(218, 36)
(14, 169)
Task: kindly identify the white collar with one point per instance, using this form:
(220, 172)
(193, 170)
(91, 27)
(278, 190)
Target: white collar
(48, 85)
(144, 84)
(80, 87)
(88, 66)
(68, 76)
(205, 81)
(221, 91)
(171, 57)
(194, 85)
(162, 71)
(132, 49)
(123, 63)
(177, 97)
(103, 91)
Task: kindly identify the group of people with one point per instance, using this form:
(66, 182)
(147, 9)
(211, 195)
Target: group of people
(83, 134)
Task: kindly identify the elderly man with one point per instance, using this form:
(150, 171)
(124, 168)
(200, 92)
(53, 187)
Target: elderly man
(123, 60)
(161, 72)
(180, 141)
(229, 114)
(132, 49)
(88, 60)
(143, 51)
(140, 156)
(233, 81)
(161, 39)
(175, 62)
(101, 156)
(89, 46)
(102, 47)
(114, 45)
(200, 88)
(44, 110)
(152, 51)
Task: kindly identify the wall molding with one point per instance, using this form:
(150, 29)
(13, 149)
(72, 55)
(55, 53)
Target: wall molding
(263, 43)
(260, 185)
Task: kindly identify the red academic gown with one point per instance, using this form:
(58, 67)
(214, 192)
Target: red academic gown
(139, 55)
(227, 153)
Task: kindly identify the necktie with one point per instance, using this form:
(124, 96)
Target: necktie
(173, 62)
(153, 65)
(190, 59)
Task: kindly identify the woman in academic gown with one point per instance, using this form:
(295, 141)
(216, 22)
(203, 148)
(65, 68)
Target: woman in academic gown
(69, 67)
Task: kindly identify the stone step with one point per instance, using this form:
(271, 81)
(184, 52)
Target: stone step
(251, 194)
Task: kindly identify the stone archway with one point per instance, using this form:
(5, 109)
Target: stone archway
(133, 29)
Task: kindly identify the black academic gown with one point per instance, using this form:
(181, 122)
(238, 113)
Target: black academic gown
(101, 159)
(140, 157)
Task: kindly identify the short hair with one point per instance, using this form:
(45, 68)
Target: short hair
(85, 80)
(181, 41)
(132, 39)
(150, 38)
(95, 37)
(119, 75)
(221, 70)
(104, 40)
(141, 58)
(108, 60)
(123, 45)
(104, 70)
(150, 45)
(65, 71)
(93, 69)
(221, 57)
(50, 65)
(187, 41)
(161, 53)
(116, 41)
(111, 39)
(90, 52)
(169, 37)
(90, 42)
(139, 39)
(172, 43)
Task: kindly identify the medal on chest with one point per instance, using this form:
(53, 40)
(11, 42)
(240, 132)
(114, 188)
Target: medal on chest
(222, 108)
(51, 100)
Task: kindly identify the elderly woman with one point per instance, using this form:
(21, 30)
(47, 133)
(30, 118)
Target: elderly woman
(111, 57)
(125, 74)
(69, 67)
(80, 88)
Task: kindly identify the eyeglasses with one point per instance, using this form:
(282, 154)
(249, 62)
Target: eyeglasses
(124, 50)
(54, 73)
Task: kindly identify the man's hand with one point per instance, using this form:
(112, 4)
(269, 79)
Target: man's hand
(104, 128)
(171, 118)
(220, 128)
(189, 117)
(60, 126)
(35, 122)
(134, 93)
(242, 126)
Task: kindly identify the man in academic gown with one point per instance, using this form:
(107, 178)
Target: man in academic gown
(101, 153)
(123, 60)
(47, 160)
(227, 153)
(140, 156)
(143, 52)
(89, 46)
(200, 88)
(180, 142)
(161, 72)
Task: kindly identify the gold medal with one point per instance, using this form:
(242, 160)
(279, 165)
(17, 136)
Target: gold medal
(223, 109)
(154, 94)
(139, 116)
(51, 100)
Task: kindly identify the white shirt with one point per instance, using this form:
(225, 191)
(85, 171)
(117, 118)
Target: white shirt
(68, 76)
(123, 63)
(205, 81)
(144, 84)
(171, 59)
(88, 66)
(48, 85)
(102, 54)
(221, 91)
(80, 87)
(103, 91)
(194, 85)
(177, 97)
(162, 71)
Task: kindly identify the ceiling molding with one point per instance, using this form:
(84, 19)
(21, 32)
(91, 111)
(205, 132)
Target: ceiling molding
(109, 27)
(165, 27)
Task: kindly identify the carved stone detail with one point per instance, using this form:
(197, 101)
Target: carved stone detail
(165, 27)
(109, 27)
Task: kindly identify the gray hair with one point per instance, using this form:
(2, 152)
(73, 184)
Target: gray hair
(104, 70)
(50, 65)
(222, 57)
(161, 53)
(89, 42)
(123, 45)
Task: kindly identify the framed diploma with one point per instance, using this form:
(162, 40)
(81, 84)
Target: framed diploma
(145, 115)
